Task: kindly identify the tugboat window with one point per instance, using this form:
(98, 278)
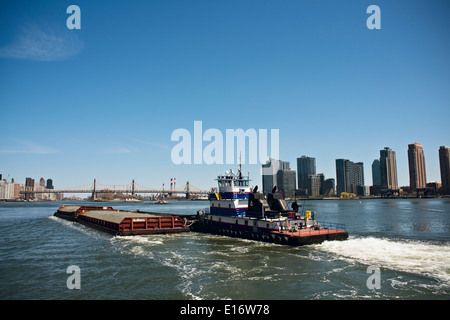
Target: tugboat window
(242, 183)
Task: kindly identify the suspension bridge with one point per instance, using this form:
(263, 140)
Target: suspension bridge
(132, 188)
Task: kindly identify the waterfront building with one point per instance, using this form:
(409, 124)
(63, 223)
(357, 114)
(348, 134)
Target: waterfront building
(286, 182)
(315, 182)
(416, 161)
(16, 190)
(328, 187)
(349, 176)
(340, 176)
(444, 162)
(29, 186)
(376, 173)
(388, 169)
(434, 185)
(3, 190)
(305, 166)
(40, 192)
(269, 173)
(8, 190)
(362, 191)
(357, 170)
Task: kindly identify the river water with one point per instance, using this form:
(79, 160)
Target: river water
(408, 240)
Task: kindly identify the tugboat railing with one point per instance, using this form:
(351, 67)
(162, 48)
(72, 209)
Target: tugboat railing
(321, 228)
(331, 225)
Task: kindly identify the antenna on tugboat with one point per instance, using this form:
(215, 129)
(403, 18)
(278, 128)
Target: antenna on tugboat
(240, 165)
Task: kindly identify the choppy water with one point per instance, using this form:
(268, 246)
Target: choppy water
(409, 240)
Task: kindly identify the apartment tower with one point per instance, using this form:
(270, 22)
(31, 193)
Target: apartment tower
(388, 169)
(444, 161)
(376, 173)
(416, 161)
(306, 166)
(349, 175)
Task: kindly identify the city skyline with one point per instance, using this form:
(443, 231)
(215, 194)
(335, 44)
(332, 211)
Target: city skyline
(103, 101)
(352, 175)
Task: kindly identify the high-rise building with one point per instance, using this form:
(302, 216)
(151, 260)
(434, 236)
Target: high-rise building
(349, 176)
(305, 166)
(388, 169)
(286, 182)
(416, 161)
(355, 179)
(49, 184)
(376, 173)
(444, 162)
(269, 173)
(340, 176)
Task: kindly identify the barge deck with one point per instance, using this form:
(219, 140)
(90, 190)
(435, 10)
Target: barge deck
(119, 222)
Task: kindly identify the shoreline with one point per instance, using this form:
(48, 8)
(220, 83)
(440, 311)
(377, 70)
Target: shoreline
(370, 198)
(178, 200)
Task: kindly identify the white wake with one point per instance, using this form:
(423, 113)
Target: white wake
(411, 256)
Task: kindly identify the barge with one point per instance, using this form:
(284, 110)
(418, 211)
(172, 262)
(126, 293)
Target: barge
(124, 223)
(238, 211)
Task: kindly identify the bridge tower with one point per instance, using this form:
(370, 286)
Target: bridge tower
(132, 188)
(188, 196)
(94, 193)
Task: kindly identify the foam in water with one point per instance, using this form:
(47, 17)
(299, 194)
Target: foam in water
(408, 256)
(75, 226)
(181, 262)
(139, 240)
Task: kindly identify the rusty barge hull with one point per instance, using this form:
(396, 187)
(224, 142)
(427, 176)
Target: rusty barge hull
(125, 223)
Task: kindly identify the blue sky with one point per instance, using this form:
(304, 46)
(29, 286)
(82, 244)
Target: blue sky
(103, 101)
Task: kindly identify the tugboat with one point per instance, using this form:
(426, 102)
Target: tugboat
(236, 210)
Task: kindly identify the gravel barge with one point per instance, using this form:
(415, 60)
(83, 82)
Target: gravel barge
(125, 223)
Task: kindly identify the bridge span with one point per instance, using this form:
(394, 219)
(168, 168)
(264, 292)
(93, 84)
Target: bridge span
(132, 188)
